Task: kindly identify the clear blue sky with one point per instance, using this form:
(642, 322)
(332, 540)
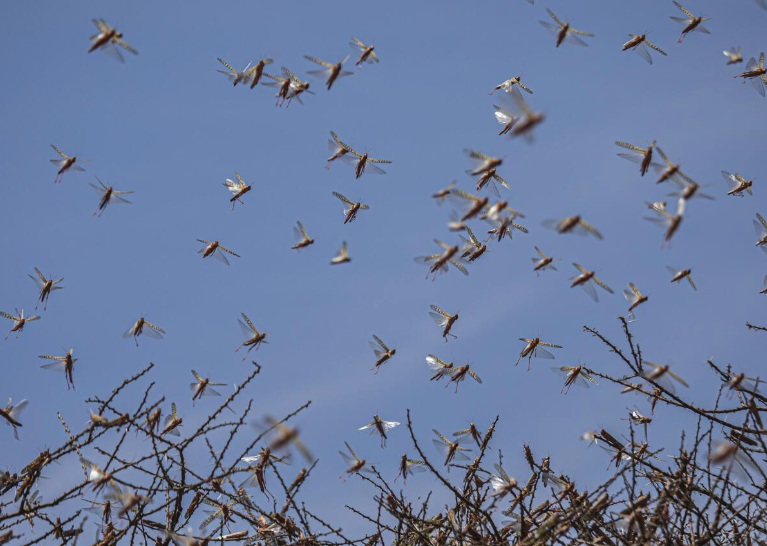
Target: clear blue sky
(167, 126)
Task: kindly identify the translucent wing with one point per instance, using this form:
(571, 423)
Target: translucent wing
(553, 29)
(641, 50)
(683, 10)
(574, 40)
(588, 287)
(373, 169)
(551, 14)
(218, 255)
(542, 353)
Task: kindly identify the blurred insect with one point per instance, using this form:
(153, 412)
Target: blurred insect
(657, 206)
(46, 286)
(761, 3)
(18, 321)
(572, 224)
(574, 375)
(64, 164)
(302, 239)
(764, 284)
(472, 247)
(505, 118)
(679, 274)
(287, 435)
(153, 331)
(669, 221)
(381, 351)
(738, 382)
(738, 184)
(362, 162)
(459, 373)
(171, 422)
(661, 375)
(634, 297)
(108, 195)
(238, 188)
(343, 255)
(367, 53)
(733, 457)
(332, 71)
(451, 450)
(482, 163)
(584, 280)
(203, 387)
(471, 204)
(535, 349)
(444, 320)
(106, 39)
(733, 56)
(756, 73)
(502, 226)
(356, 465)
(642, 156)
(337, 148)
(442, 194)
(235, 76)
(760, 228)
(471, 432)
(455, 223)
(12, 413)
(352, 208)
(289, 86)
(688, 189)
(254, 338)
(637, 44)
(64, 364)
(438, 263)
(564, 32)
(257, 71)
(669, 171)
(223, 511)
(511, 86)
(502, 483)
(379, 426)
(408, 467)
(691, 23)
(519, 117)
(439, 367)
(543, 263)
(215, 249)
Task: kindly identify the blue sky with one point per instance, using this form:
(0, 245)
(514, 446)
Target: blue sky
(168, 127)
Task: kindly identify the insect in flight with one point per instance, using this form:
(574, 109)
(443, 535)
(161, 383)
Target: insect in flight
(527, 119)
(756, 73)
(356, 465)
(543, 263)
(362, 162)
(64, 364)
(574, 375)
(472, 247)
(510, 86)
(46, 286)
(215, 249)
(458, 374)
(584, 280)
(408, 467)
(12, 413)
(688, 188)
(64, 164)
(352, 208)
(288, 86)
(439, 367)
(337, 148)
(535, 349)
(662, 376)
(257, 71)
(733, 56)
(738, 184)
(108, 195)
(379, 426)
(235, 76)
(367, 53)
(690, 23)
(238, 188)
(332, 71)
(668, 171)
(143, 326)
(679, 274)
(444, 320)
(302, 239)
(564, 32)
(106, 39)
(18, 321)
(171, 422)
(381, 351)
(634, 297)
(669, 221)
(438, 263)
(638, 43)
(202, 387)
(443, 194)
(343, 255)
(254, 337)
(572, 224)
(453, 450)
(641, 156)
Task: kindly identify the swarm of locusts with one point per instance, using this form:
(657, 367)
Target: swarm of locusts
(215, 466)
